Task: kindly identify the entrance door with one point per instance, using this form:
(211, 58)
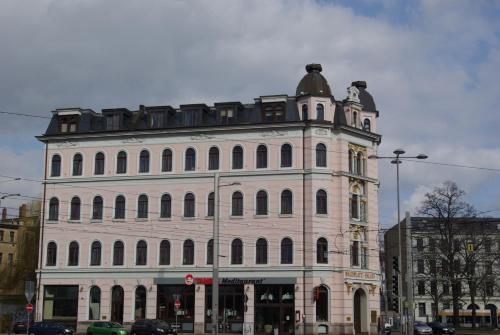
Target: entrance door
(117, 304)
(359, 312)
(287, 321)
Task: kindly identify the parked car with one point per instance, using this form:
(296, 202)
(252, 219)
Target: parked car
(50, 328)
(152, 327)
(420, 328)
(106, 328)
(441, 328)
(20, 326)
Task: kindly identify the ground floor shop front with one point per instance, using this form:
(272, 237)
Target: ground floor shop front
(261, 306)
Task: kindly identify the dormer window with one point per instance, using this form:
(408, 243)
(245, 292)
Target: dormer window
(68, 124)
(226, 115)
(273, 112)
(112, 122)
(156, 120)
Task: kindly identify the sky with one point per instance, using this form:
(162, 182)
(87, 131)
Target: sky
(432, 67)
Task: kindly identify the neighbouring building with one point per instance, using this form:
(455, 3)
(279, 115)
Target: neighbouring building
(18, 259)
(129, 212)
(476, 248)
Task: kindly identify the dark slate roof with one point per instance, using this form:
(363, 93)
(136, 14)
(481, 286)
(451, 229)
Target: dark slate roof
(339, 116)
(365, 98)
(313, 83)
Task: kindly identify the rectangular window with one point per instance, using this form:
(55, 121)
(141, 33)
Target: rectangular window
(446, 289)
(11, 237)
(60, 302)
(421, 287)
(11, 259)
(113, 122)
(156, 120)
(364, 258)
(421, 309)
(420, 266)
(1, 235)
(355, 253)
(420, 244)
(1, 257)
(434, 288)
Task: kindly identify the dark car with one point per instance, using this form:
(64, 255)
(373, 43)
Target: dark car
(20, 326)
(420, 328)
(151, 327)
(441, 328)
(50, 328)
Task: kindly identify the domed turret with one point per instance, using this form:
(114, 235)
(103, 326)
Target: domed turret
(314, 83)
(365, 98)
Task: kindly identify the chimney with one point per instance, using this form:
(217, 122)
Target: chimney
(4, 214)
(22, 211)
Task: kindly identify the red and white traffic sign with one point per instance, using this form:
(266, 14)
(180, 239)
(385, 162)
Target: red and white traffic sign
(188, 280)
(177, 304)
(29, 308)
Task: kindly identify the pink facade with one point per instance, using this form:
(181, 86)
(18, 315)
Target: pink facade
(347, 270)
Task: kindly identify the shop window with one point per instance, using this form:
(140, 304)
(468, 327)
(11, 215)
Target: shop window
(95, 253)
(321, 202)
(73, 254)
(75, 209)
(274, 309)
(210, 252)
(140, 303)
(322, 251)
(320, 155)
(141, 253)
(166, 206)
(261, 203)
(210, 204)
(97, 208)
(286, 202)
(237, 252)
(237, 157)
(189, 205)
(261, 251)
(165, 252)
(261, 157)
(60, 302)
(286, 155)
(190, 161)
(144, 161)
(95, 303)
(51, 259)
(55, 170)
(77, 165)
(320, 112)
(99, 164)
(231, 308)
(213, 158)
(237, 204)
(166, 160)
(120, 207)
(118, 253)
(321, 297)
(142, 207)
(166, 296)
(188, 253)
(286, 251)
(121, 162)
(54, 209)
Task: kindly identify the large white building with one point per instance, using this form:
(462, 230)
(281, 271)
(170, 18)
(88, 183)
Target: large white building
(129, 205)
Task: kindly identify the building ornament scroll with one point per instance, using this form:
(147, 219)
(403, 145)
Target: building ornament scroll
(201, 137)
(132, 140)
(321, 131)
(67, 144)
(274, 133)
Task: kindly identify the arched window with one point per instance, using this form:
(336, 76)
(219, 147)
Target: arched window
(261, 251)
(286, 155)
(188, 252)
(213, 158)
(237, 157)
(190, 163)
(73, 254)
(321, 202)
(51, 254)
(359, 164)
(237, 251)
(141, 253)
(286, 202)
(210, 252)
(142, 206)
(97, 205)
(75, 209)
(189, 205)
(261, 157)
(120, 207)
(355, 206)
(355, 119)
(55, 170)
(166, 206)
(118, 253)
(320, 155)
(351, 161)
(95, 303)
(54, 209)
(210, 204)
(305, 113)
(322, 251)
(237, 204)
(144, 161)
(121, 162)
(321, 298)
(320, 112)
(286, 251)
(261, 202)
(77, 165)
(99, 164)
(140, 303)
(166, 160)
(366, 125)
(165, 252)
(95, 253)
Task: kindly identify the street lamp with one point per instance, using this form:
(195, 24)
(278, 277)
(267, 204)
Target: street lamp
(8, 196)
(215, 262)
(396, 160)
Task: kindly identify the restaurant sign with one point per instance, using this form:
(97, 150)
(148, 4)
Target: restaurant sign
(360, 275)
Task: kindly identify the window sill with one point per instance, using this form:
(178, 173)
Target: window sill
(209, 217)
(285, 215)
(164, 219)
(260, 216)
(52, 221)
(188, 218)
(74, 221)
(141, 220)
(236, 217)
(118, 220)
(321, 215)
(95, 220)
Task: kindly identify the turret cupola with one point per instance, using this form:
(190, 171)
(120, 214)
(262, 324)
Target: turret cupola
(313, 83)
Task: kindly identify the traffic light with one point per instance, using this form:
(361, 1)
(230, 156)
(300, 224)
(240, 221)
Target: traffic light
(395, 263)
(395, 304)
(395, 287)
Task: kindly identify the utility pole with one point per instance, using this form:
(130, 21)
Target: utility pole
(409, 276)
(215, 261)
